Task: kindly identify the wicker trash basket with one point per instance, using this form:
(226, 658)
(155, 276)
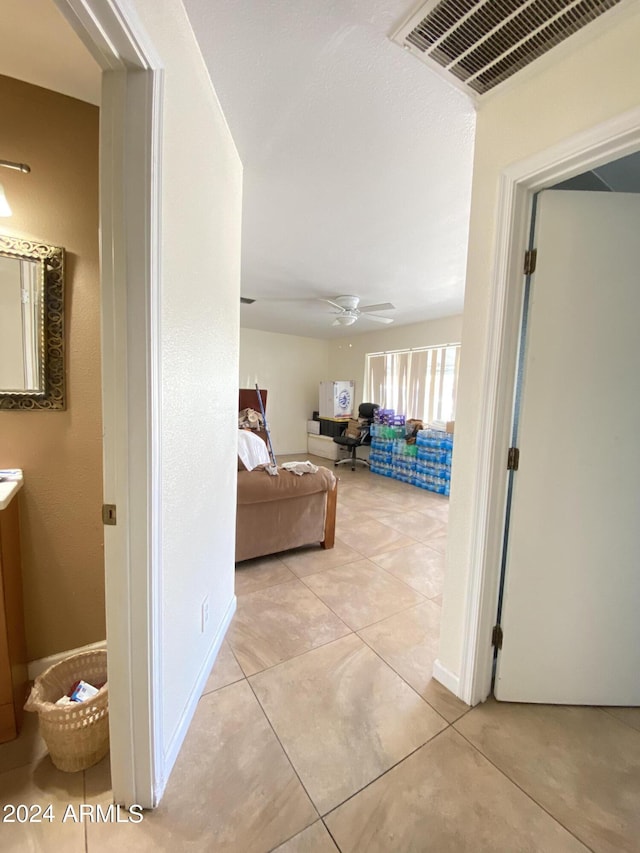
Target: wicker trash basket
(76, 735)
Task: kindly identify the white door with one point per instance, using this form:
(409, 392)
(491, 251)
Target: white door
(571, 606)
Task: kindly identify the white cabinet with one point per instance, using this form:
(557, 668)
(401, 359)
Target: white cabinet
(323, 445)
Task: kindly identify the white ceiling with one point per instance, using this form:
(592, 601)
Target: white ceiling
(357, 158)
(357, 161)
(38, 46)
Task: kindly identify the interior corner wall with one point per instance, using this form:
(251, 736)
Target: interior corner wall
(59, 451)
(588, 86)
(201, 204)
(347, 355)
(290, 368)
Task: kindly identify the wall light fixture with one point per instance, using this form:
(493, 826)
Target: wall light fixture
(5, 208)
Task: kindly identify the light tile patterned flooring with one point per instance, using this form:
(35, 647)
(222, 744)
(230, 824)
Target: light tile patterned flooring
(320, 728)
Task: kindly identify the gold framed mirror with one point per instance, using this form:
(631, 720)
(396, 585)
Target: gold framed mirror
(32, 369)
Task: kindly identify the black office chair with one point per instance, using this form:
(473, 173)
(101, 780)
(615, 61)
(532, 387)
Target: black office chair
(365, 412)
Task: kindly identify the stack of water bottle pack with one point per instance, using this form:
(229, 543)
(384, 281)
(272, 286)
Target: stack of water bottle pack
(433, 468)
(385, 449)
(386, 429)
(425, 463)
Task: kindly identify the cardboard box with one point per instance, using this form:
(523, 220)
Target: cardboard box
(353, 428)
(443, 426)
(336, 398)
(313, 427)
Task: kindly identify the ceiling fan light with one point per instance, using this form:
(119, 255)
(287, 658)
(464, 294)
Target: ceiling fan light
(346, 319)
(350, 303)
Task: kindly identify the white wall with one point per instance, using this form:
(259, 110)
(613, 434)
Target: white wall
(201, 217)
(290, 368)
(595, 82)
(347, 355)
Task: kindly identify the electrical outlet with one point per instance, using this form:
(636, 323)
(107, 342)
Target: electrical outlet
(204, 614)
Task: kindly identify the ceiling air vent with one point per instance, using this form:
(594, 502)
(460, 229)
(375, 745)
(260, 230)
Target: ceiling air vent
(484, 42)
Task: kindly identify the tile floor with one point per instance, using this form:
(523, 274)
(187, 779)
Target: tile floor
(320, 728)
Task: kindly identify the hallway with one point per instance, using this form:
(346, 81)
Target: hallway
(320, 728)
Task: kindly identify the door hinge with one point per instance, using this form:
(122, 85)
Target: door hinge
(530, 257)
(108, 513)
(513, 459)
(496, 637)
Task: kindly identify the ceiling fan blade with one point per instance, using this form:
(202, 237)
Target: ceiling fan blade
(383, 306)
(380, 319)
(335, 304)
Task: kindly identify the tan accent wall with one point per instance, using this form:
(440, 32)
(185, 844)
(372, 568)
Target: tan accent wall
(60, 452)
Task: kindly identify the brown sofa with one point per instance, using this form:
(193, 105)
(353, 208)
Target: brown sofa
(287, 511)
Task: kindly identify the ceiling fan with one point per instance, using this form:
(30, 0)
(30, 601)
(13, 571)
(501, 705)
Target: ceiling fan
(348, 311)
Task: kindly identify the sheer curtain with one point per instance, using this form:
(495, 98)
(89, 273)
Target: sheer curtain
(420, 383)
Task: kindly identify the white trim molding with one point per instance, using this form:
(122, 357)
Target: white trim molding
(447, 678)
(586, 150)
(130, 142)
(173, 749)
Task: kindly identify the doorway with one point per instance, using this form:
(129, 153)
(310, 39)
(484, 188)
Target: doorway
(612, 139)
(570, 541)
(129, 222)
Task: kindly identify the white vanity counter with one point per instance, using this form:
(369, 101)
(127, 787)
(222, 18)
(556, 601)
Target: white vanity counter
(11, 482)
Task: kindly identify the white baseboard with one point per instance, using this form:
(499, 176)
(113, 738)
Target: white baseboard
(447, 678)
(189, 710)
(37, 667)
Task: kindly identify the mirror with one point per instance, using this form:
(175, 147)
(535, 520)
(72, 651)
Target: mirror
(31, 325)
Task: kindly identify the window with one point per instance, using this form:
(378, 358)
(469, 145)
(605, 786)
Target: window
(420, 383)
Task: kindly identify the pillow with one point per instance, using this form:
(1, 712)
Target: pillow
(252, 450)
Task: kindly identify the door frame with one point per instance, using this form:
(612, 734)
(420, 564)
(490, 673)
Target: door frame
(518, 183)
(130, 175)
